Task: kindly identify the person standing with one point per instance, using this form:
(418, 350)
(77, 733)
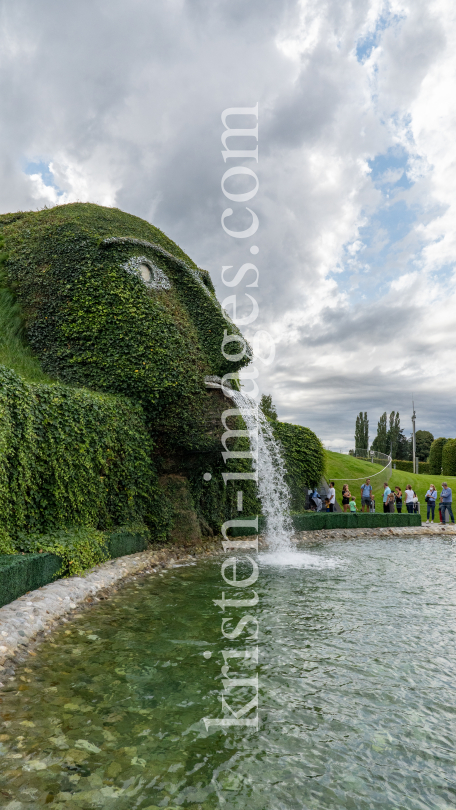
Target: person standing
(315, 500)
(345, 497)
(447, 502)
(398, 496)
(409, 498)
(430, 498)
(386, 492)
(352, 504)
(332, 497)
(366, 495)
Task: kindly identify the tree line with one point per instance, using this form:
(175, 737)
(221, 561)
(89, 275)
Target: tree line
(391, 439)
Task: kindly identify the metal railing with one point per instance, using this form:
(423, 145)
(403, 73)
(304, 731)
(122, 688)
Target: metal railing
(374, 457)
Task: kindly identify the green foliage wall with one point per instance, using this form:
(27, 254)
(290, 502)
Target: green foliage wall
(73, 457)
(435, 455)
(407, 466)
(214, 501)
(304, 460)
(93, 321)
(78, 304)
(449, 457)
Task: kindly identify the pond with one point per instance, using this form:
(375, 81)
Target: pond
(357, 709)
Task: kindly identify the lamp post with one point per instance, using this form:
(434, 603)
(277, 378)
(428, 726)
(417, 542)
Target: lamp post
(414, 439)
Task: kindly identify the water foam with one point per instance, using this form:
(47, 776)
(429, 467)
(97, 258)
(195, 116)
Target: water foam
(284, 558)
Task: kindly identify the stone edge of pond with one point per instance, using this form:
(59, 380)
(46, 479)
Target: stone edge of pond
(27, 620)
(308, 537)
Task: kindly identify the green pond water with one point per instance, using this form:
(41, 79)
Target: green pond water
(357, 709)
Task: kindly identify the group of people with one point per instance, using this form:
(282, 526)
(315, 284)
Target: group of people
(445, 503)
(391, 500)
(367, 498)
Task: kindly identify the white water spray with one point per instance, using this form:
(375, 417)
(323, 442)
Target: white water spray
(267, 461)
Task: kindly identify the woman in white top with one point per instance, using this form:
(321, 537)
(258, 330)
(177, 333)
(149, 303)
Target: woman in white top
(409, 498)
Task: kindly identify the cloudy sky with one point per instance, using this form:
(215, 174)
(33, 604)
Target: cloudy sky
(120, 103)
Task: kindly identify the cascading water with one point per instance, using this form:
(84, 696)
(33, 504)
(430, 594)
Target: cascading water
(268, 462)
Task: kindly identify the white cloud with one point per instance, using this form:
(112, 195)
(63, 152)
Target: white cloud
(125, 105)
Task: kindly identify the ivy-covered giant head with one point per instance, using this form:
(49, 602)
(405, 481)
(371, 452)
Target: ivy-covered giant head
(109, 302)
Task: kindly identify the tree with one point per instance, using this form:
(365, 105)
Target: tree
(424, 440)
(381, 443)
(362, 431)
(268, 408)
(435, 455)
(404, 448)
(394, 433)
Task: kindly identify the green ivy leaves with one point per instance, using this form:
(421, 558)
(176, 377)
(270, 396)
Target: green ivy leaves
(304, 460)
(71, 457)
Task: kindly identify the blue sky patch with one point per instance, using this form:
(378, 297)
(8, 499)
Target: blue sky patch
(365, 45)
(41, 167)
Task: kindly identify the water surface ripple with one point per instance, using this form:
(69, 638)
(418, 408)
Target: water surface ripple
(357, 698)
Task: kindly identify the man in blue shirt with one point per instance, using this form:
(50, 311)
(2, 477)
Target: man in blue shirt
(366, 494)
(446, 498)
(386, 492)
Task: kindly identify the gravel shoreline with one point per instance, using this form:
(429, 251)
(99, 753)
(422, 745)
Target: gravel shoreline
(26, 621)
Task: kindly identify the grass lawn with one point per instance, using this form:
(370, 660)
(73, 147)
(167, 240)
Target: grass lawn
(349, 468)
(14, 353)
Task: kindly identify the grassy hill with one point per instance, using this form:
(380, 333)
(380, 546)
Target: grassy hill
(14, 353)
(349, 469)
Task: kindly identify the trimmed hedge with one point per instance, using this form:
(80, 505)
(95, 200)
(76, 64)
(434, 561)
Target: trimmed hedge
(449, 457)
(125, 541)
(435, 455)
(313, 521)
(20, 573)
(348, 520)
(304, 460)
(70, 457)
(407, 466)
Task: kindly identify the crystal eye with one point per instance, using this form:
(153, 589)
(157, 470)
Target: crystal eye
(152, 276)
(145, 272)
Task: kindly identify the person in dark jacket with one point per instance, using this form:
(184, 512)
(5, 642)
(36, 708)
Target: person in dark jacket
(446, 498)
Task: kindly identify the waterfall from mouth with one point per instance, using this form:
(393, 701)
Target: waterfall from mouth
(268, 462)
